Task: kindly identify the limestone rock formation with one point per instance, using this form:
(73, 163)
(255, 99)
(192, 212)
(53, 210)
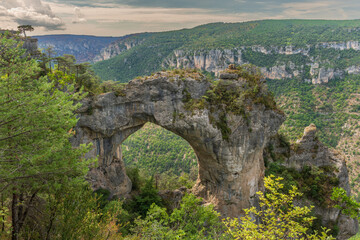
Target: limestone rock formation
(276, 72)
(214, 60)
(309, 151)
(116, 48)
(323, 75)
(217, 60)
(227, 132)
(229, 123)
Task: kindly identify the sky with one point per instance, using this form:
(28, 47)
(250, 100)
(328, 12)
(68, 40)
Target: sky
(121, 17)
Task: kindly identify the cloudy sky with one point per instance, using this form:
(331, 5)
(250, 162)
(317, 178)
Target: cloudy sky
(121, 17)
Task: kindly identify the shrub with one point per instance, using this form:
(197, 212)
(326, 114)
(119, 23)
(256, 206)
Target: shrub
(278, 217)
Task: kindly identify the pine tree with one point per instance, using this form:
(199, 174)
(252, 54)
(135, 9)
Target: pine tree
(36, 120)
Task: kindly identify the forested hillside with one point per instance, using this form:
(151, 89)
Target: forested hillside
(316, 50)
(159, 151)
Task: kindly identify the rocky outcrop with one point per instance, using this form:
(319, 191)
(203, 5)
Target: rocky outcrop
(215, 60)
(341, 45)
(323, 75)
(353, 70)
(276, 72)
(229, 146)
(287, 50)
(309, 151)
(117, 48)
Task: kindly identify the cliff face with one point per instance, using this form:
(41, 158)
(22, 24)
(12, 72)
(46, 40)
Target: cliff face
(217, 60)
(214, 60)
(116, 48)
(228, 146)
(309, 152)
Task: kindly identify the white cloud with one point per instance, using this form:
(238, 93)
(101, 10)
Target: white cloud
(32, 12)
(79, 17)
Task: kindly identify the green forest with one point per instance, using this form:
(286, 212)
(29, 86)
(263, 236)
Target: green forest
(153, 48)
(324, 105)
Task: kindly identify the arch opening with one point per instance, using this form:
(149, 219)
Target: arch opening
(162, 154)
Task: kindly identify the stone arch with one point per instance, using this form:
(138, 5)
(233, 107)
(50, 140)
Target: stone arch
(228, 145)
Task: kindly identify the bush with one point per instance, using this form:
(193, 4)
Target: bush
(277, 217)
(190, 221)
(142, 202)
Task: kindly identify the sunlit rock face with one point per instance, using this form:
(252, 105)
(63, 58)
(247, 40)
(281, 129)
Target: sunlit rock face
(229, 146)
(309, 151)
(217, 60)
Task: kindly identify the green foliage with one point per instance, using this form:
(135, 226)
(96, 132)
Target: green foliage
(39, 169)
(347, 204)
(316, 183)
(278, 217)
(158, 150)
(74, 212)
(190, 221)
(324, 105)
(34, 115)
(84, 76)
(111, 86)
(148, 195)
(102, 196)
(228, 97)
(134, 175)
(170, 181)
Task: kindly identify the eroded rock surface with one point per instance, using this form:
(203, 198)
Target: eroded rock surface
(308, 151)
(228, 142)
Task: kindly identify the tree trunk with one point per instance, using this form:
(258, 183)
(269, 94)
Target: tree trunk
(3, 217)
(14, 217)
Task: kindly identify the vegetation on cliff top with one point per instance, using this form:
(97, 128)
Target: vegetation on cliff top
(236, 96)
(149, 56)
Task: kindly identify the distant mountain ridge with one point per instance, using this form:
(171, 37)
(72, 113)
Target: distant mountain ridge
(84, 47)
(314, 50)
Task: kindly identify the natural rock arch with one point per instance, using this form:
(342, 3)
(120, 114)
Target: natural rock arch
(227, 123)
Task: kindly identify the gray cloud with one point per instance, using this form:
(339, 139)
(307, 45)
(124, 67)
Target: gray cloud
(32, 12)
